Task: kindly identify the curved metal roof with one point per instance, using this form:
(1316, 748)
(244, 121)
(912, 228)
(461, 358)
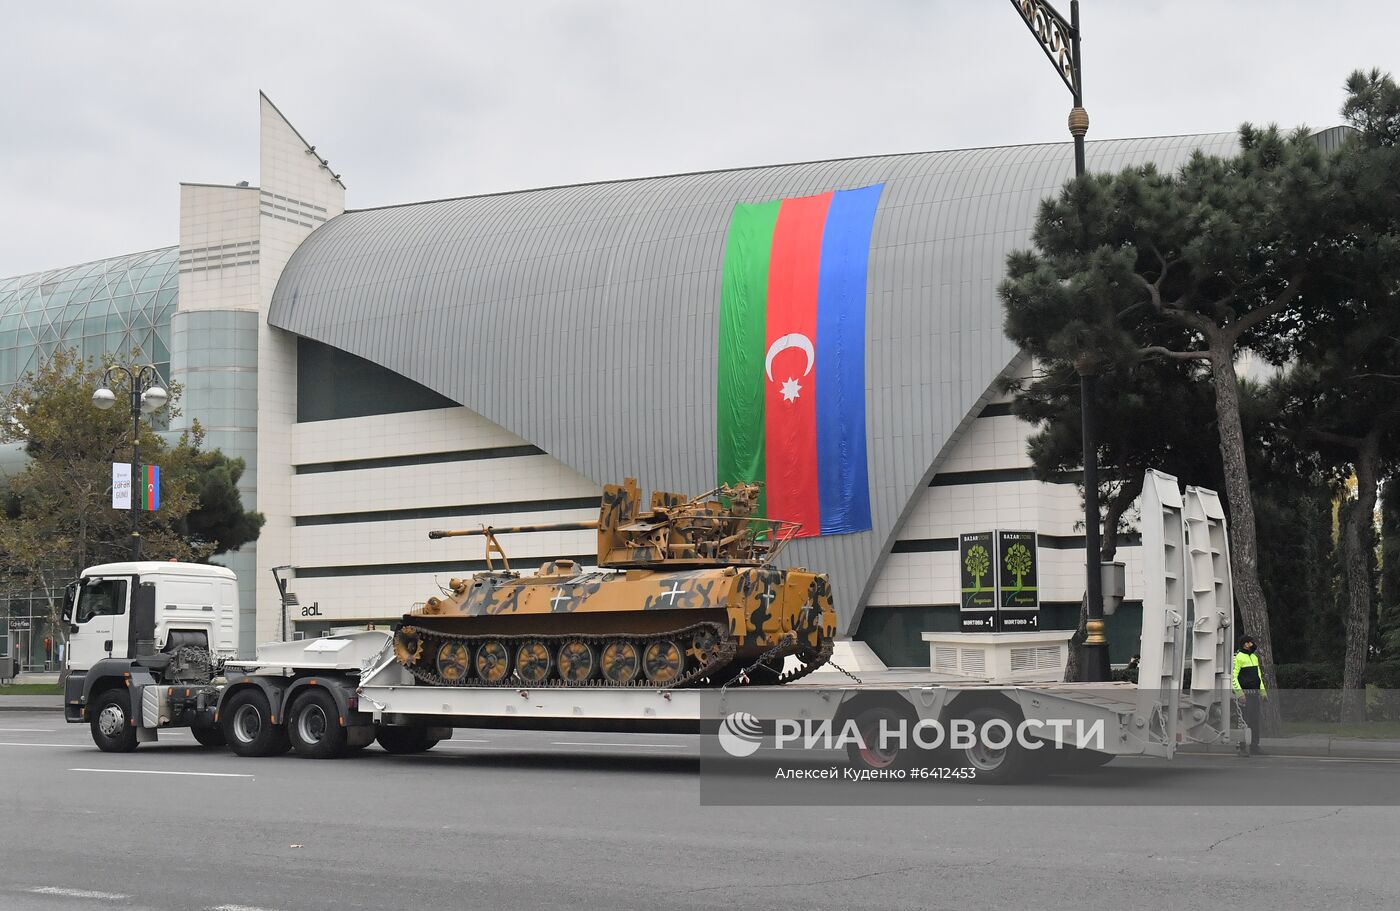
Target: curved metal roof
(584, 318)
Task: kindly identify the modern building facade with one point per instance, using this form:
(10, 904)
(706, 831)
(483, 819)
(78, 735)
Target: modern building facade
(496, 359)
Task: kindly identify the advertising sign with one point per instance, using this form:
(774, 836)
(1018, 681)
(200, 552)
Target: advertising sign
(1018, 590)
(977, 569)
(121, 485)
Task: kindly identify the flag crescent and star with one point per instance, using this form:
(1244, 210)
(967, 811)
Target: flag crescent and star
(791, 404)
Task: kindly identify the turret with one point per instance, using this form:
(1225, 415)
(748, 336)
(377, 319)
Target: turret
(717, 528)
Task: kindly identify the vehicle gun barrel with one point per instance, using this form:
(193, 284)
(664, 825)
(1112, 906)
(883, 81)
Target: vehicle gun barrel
(514, 529)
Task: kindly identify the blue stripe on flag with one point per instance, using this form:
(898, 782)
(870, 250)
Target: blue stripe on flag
(842, 477)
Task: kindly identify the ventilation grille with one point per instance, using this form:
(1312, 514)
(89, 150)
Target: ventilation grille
(1035, 658)
(974, 662)
(945, 659)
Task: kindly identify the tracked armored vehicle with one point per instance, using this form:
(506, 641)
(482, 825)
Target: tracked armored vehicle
(685, 594)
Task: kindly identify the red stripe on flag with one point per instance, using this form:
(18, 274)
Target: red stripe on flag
(790, 379)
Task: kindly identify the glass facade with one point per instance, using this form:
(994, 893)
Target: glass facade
(117, 305)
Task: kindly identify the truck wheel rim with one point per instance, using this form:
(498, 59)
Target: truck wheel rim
(870, 751)
(984, 757)
(311, 725)
(111, 720)
(247, 723)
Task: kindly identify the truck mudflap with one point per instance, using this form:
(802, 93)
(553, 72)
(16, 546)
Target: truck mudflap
(75, 697)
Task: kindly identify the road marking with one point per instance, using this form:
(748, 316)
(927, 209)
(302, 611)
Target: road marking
(8, 743)
(634, 746)
(160, 772)
(465, 740)
(27, 730)
(237, 908)
(79, 893)
(1358, 760)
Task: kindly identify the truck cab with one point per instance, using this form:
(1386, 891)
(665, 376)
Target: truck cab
(146, 622)
(120, 610)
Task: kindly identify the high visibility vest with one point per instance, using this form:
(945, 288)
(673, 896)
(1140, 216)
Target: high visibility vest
(1248, 674)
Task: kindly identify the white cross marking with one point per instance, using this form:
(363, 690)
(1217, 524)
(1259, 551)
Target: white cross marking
(561, 597)
(674, 592)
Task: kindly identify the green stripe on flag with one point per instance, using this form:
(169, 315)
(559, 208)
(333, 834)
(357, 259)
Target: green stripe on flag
(742, 334)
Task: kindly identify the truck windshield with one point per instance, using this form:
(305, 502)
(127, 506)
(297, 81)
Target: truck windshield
(103, 599)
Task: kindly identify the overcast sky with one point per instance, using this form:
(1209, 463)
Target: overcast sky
(106, 107)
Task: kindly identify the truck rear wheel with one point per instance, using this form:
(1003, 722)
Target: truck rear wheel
(247, 725)
(209, 735)
(110, 720)
(404, 740)
(314, 727)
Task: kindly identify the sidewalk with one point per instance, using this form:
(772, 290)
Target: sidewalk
(31, 703)
(1311, 745)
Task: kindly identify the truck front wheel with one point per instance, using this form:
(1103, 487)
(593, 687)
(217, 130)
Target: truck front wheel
(314, 725)
(110, 720)
(248, 727)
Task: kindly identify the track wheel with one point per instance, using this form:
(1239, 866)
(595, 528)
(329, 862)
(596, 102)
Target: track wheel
(577, 661)
(493, 661)
(408, 645)
(621, 662)
(454, 662)
(533, 662)
(703, 646)
(663, 661)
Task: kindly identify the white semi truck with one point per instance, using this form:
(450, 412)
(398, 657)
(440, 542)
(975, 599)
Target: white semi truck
(152, 647)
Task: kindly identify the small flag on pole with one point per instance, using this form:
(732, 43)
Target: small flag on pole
(150, 487)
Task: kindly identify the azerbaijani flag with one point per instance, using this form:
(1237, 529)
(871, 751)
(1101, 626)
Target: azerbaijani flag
(792, 357)
(149, 484)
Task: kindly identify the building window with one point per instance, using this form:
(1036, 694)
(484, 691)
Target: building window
(334, 384)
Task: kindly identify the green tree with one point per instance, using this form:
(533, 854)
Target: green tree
(1188, 267)
(1390, 571)
(1018, 562)
(977, 564)
(58, 511)
(1342, 395)
(1150, 414)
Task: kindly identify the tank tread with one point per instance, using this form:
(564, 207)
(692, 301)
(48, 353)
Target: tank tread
(416, 647)
(822, 657)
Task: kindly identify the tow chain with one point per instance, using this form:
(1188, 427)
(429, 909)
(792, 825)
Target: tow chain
(843, 670)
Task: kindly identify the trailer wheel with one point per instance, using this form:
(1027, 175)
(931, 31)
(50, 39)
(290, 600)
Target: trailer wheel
(109, 718)
(871, 753)
(403, 740)
(247, 725)
(994, 765)
(314, 727)
(209, 735)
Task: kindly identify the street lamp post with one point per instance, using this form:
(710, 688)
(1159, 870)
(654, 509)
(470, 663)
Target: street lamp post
(1060, 41)
(148, 396)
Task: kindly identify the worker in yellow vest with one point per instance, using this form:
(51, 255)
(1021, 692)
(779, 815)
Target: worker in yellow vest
(1249, 688)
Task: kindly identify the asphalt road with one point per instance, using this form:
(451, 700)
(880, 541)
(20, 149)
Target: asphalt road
(524, 820)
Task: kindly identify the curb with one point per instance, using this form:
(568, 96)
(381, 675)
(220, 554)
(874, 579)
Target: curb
(30, 704)
(1330, 748)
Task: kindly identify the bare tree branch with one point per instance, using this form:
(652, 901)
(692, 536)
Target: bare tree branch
(1255, 317)
(1159, 351)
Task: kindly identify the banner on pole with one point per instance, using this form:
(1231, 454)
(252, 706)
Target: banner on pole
(121, 485)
